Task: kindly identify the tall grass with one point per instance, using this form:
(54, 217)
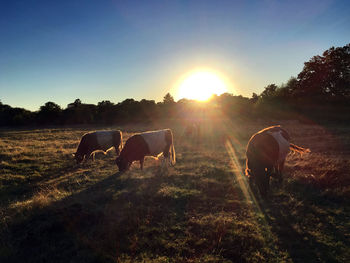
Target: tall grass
(53, 210)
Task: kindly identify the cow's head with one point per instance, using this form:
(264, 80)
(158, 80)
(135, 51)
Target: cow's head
(262, 179)
(122, 164)
(258, 175)
(78, 157)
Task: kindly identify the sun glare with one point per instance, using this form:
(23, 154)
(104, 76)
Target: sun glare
(201, 85)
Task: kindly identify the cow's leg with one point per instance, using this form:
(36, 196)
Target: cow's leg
(90, 156)
(166, 158)
(252, 182)
(268, 172)
(117, 150)
(141, 162)
(280, 169)
(166, 155)
(263, 180)
(163, 162)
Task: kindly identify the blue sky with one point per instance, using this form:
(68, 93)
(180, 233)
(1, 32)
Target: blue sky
(112, 50)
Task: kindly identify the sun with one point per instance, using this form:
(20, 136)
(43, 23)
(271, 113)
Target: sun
(201, 85)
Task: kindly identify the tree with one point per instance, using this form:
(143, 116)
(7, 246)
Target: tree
(292, 84)
(15, 116)
(105, 112)
(326, 77)
(168, 99)
(255, 97)
(105, 103)
(49, 113)
(269, 91)
(75, 104)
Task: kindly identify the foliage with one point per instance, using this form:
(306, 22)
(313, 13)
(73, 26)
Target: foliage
(15, 116)
(50, 113)
(168, 99)
(326, 77)
(321, 89)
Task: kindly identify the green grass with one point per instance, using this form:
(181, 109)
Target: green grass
(53, 210)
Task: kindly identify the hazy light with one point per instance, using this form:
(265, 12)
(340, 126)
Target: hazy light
(201, 85)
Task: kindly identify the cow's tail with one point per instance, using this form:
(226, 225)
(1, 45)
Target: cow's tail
(118, 141)
(247, 169)
(170, 140)
(298, 149)
(121, 141)
(173, 155)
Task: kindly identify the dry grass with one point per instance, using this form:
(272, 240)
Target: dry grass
(54, 210)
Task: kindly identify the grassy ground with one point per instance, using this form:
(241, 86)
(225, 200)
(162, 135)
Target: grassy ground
(200, 210)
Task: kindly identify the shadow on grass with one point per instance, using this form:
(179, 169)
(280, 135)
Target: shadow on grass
(305, 226)
(25, 186)
(94, 224)
(131, 217)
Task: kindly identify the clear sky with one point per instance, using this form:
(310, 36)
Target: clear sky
(112, 50)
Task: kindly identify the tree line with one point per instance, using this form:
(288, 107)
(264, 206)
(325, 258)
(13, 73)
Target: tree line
(321, 90)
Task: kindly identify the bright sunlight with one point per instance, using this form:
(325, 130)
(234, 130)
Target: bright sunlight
(201, 85)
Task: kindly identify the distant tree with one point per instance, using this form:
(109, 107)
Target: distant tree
(128, 110)
(75, 104)
(15, 116)
(105, 103)
(255, 97)
(167, 107)
(269, 91)
(49, 113)
(80, 113)
(288, 89)
(106, 112)
(326, 77)
(168, 99)
(234, 106)
(149, 110)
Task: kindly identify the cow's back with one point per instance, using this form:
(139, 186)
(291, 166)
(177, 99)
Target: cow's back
(155, 140)
(283, 144)
(105, 139)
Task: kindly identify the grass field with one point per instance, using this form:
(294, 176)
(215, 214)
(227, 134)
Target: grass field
(200, 210)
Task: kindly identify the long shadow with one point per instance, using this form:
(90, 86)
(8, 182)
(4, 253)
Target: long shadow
(292, 231)
(92, 225)
(280, 221)
(19, 190)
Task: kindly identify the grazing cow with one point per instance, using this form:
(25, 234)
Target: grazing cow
(152, 143)
(266, 154)
(98, 141)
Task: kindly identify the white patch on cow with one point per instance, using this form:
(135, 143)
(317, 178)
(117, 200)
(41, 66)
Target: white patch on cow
(155, 141)
(105, 139)
(283, 144)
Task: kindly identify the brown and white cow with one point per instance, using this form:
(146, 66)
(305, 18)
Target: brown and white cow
(151, 143)
(98, 141)
(266, 153)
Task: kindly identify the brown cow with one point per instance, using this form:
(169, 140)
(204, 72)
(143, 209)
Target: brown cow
(152, 143)
(266, 153)
(98, 141)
